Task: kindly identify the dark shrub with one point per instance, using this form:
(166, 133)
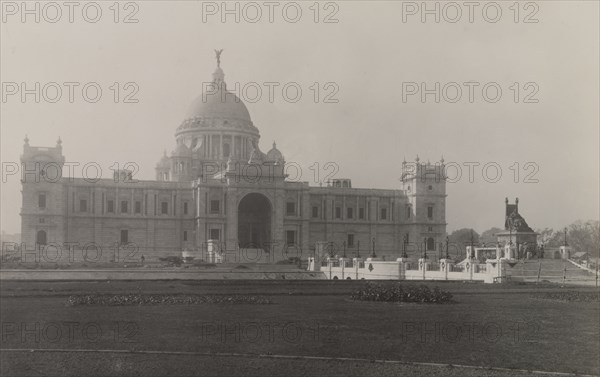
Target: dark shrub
(400, 293)
(172, 260)
(572, 296)
(291, 260)
(162, 299)
(202, 263)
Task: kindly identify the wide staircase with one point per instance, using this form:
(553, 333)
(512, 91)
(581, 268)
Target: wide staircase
(549, 270)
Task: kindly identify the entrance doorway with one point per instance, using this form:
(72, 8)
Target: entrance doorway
(254, 221)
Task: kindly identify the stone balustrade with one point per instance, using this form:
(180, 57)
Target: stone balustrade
(470, 269)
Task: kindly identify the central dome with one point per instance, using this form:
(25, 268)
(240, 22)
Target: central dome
(218, 102)
(217, 125)
(222, 104)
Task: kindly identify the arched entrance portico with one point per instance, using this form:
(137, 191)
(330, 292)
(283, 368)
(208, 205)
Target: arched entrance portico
(254, 221)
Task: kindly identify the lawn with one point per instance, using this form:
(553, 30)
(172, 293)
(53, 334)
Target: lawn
(501, 326)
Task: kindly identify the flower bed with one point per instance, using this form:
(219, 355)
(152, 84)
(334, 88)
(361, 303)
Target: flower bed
(402, 293)
(140, 299)
(569, 296)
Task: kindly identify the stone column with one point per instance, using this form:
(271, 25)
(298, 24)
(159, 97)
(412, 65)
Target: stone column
(469, 266)
(423, 267)
(314, 264)
(305, 227)
(402, 267)
(357, 262)
(231, 225)
(220, 152)
(277, 229)
(343, 266)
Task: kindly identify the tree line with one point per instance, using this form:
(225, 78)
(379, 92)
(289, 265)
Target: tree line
(581, 236)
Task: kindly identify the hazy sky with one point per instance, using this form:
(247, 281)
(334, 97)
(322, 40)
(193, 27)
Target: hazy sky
(368, 55)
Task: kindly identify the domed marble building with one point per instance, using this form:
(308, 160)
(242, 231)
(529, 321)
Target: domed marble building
(217, 191)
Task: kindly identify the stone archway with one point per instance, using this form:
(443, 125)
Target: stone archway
(254, 221)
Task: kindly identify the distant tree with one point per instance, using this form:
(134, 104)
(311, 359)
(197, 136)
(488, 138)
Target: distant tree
(461, 238)
(547, 237)
(489, 236)
(584, 236)
(581, 236)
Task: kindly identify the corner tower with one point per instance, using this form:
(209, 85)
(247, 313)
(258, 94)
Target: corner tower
(44, 200)
(425, 187)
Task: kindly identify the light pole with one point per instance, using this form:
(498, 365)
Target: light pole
(358, 249)
(472, 251)
(373, 248)
(447, 248)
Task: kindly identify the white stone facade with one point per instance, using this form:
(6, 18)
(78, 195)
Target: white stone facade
(218, 186)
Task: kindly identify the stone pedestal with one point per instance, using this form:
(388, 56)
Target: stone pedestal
(510, 251)
(445, 266)
(187, 254)
(496, 270)
(469, 267)
(565, 252)
(402, 267)
(345, 270)
(213, 251)
(357, 264)
(423, 267)
(327, 269)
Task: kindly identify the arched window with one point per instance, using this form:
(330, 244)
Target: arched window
(430, 244)
(41, 237)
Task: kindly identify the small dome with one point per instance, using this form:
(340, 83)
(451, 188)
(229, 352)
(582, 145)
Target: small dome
(164, 162)
(274, 155)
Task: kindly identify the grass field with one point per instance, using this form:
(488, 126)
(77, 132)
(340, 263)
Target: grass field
(501, 326)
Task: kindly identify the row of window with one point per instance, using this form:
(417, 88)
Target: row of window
(215, 208)
(123, 208)
(429, 188)
(125, 236)
(137, 207)
(383, 213)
